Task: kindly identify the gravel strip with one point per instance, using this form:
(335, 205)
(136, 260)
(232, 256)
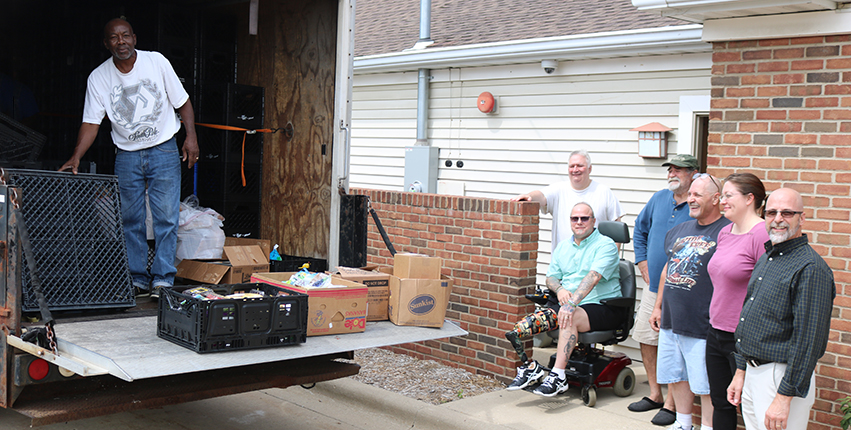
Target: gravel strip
(424, 380)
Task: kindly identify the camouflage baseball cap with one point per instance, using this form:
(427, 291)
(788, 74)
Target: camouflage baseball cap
(683, 160)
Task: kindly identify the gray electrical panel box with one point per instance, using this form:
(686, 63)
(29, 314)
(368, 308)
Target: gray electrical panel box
(421, 169)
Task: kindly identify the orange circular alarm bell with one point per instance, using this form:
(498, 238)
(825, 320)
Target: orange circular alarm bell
(486, 102)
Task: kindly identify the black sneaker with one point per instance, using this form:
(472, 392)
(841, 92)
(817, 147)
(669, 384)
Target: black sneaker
(155, 293)
(140, 293)
(526, 376)
(553, 385)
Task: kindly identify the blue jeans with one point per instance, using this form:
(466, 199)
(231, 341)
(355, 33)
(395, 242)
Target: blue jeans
(158, 169)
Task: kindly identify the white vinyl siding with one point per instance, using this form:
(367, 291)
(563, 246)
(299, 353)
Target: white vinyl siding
(587, 104)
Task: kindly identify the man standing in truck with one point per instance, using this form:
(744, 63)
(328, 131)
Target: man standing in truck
(139, 92)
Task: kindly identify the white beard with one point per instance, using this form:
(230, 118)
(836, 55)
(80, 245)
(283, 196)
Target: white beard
(776, 238)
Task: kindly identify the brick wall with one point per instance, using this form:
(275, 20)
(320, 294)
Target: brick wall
(489, 249)
(781, 109)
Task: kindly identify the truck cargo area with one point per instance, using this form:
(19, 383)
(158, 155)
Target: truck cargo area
(129, 348)
(131, 368)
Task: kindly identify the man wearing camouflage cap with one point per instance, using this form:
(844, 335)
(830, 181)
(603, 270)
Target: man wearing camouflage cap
(666, 209)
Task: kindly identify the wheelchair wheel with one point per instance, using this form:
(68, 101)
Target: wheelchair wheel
(589, 395)
(625, 383)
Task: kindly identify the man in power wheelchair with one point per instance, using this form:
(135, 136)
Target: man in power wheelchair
(585, 292)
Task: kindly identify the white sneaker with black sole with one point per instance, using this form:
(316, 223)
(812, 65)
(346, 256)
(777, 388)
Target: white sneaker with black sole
(552, 385)
(526, 376)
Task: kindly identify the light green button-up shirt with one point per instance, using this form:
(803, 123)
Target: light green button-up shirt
(572, 262)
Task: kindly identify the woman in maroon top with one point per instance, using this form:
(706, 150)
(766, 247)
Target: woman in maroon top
(740, 245)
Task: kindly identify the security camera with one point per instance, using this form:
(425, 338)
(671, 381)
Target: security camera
(549, 66)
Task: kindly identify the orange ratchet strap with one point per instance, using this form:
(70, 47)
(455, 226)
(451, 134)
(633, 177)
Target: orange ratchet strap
(247, 131)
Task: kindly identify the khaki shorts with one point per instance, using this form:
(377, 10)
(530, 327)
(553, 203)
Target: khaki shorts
(642, 332)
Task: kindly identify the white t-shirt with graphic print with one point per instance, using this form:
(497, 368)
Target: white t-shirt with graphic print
(140, 104)
(561, 197)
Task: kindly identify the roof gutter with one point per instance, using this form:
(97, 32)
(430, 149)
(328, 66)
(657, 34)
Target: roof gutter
(631, 43)
(719, 5)
(696, 10)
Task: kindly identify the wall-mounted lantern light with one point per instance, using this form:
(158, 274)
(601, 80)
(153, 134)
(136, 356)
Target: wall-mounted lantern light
(652, 140)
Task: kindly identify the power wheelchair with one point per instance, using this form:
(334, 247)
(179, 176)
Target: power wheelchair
(590, 367)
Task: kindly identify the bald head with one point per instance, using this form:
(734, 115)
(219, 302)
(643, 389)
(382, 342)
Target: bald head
(582, 221)
(784, 215)
(704, 202)
(789, 198)
(107, 29)
(119, 39)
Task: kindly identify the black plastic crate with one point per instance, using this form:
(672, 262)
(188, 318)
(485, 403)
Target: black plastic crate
(77, 239)
(291, 263)
(18, 143)
(230, 104)
(232, 324)
(224, 181)
(242, 220)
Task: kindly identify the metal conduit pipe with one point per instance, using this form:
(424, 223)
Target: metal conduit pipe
(421, 159)
(422, 106)
(425, 20)
(423, 76)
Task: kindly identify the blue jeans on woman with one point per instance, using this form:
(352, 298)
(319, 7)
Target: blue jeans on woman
(157, 169)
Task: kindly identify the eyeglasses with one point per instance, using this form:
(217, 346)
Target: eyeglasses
(580, 218)
(729, 196)
(707, 175)
(771, 213)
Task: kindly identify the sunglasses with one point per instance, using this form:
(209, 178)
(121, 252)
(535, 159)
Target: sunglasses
(771, 213)
(580, 218)
(707, 175)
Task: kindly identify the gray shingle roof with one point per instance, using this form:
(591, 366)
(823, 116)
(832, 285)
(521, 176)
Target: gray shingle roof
(385, 26)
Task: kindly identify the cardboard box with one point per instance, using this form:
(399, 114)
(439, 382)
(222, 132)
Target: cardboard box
(417, 266)
(378, 284)
(241, 262)
(419, 302)
(332, 310)
(264, 244)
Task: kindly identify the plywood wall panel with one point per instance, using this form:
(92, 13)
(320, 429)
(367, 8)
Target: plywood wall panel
(293, 56)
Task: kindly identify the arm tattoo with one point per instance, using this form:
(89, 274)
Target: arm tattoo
(553, 284)
(587, 284)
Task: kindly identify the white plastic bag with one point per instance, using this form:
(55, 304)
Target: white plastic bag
(200, 233)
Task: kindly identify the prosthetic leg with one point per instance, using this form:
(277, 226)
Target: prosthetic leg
(541, 321)
(530, 371)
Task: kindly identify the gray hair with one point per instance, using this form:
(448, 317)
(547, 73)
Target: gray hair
(583, 153)
(584, 204)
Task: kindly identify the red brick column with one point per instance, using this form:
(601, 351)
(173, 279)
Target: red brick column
(490, 250)
(781, 109)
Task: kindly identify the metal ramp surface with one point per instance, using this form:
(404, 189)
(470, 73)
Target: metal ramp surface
(129, 348)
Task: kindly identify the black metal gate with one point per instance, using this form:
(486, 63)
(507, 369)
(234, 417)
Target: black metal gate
(77, 238)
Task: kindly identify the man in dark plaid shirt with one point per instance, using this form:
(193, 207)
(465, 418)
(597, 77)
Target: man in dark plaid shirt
(784, 323)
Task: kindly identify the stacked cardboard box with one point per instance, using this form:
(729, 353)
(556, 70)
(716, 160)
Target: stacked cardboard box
(419, 294)
(241, 260)
(378, 284)
(338, 309)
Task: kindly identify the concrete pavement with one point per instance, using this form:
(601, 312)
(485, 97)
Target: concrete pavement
(347, 405)
(369, 407)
